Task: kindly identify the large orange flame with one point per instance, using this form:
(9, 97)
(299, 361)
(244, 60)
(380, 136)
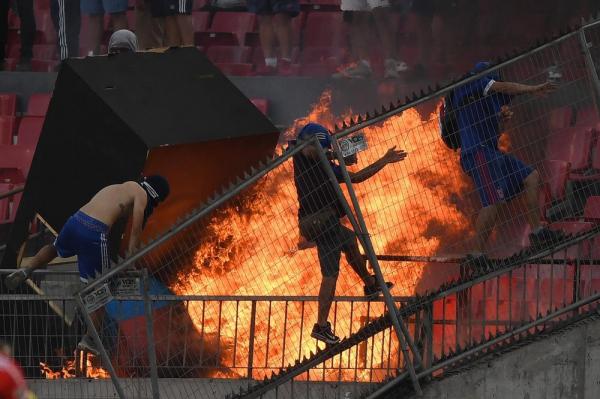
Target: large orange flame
(80, 366)
(249, 247)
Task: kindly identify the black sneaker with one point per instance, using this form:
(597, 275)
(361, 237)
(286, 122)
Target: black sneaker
(87, 344)
(475, 264)
(324, 334)
(373, 291)
(545, 238)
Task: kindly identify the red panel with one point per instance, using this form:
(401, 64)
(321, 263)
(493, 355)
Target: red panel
(200, 21)
(30, 129)
(591, 212)
(262, 104)
(15, 161)
(560, 118)
(7, 129)
(38, 104)
(8, 104)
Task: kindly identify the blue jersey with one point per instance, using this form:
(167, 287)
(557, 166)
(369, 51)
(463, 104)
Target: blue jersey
(478, 114)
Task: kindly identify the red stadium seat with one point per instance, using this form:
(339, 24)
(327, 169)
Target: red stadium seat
(325, 29)
(8, 104)
(42, 4)
(227, 28)
(561, 118)
(199, 4)
(262, 104)
(30, 129)
(15, 161)
(554, 174)
(586, 116)
(200, 20)
(38, 104)
(591, 212)
(7, 129)
(235, 69)
(229, 54)
(572, 145)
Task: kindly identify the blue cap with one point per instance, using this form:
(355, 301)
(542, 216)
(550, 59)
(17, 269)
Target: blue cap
(482, 66)
(314, 129)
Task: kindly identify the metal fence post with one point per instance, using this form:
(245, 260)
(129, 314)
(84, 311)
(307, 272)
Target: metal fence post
(251, 339)
(105, 358)
(361, 231)
(589, 62)
(150, 335)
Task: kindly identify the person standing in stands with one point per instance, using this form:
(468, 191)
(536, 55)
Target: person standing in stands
(275, 25)
(96, 9)
(358, 13)
(66, 17)
(177, 16)
(149, 30)
(85, 234)
(319, 214)
(27, 31)
(481, 105)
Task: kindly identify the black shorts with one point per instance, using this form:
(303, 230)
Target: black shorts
(167, 8)
(270, 7)
(332, 239)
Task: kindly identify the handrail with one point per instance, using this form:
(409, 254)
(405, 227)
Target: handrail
(12, 192)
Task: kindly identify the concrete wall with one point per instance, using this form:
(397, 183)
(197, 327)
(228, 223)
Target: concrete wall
(565, 365)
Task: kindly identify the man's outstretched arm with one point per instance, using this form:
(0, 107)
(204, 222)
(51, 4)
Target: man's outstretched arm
(512, 88)
(391, 156)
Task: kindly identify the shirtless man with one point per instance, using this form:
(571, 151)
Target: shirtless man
(85, 233)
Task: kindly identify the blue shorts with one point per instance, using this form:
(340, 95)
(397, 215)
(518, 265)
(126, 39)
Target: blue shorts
(85, 237)
(270, 7)
(498, 176)
(99, 7)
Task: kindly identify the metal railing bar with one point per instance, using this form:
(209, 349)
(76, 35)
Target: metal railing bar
(12, 192)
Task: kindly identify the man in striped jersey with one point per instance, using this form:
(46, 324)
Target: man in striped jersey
(85, 234)
(66, 17)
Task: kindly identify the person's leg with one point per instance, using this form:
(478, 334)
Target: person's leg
(41, 259)
(387, 28)
(186, 31)
(96, 31)
(282, 27)
(66, 17)
(27, 29)
(532, 192)
(486, 220)
(354, 257)
(326, 294)
(266, 34)
(358, 19)
(3, 31)
(172, 37)
(119, 21)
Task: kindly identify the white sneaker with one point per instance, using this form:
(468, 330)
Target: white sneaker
(360, 70)
(15, 279)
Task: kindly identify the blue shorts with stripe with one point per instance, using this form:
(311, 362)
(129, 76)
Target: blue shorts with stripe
(85, 237)
(498, 176)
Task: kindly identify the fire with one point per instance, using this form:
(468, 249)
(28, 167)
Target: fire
(253, 248)
(78, 367)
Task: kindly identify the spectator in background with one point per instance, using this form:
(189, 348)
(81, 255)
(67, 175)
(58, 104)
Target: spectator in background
(177, 16)
(3, 32)
(95, 9)
(66, 17)
(122, 41)
(27, 33)
(358, 13)
(149, 30)
(275, 24)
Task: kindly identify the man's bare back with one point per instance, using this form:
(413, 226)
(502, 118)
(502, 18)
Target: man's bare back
(115, 202)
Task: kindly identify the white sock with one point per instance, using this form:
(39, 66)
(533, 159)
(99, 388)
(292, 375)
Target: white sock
(271, 61)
